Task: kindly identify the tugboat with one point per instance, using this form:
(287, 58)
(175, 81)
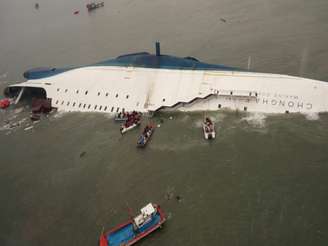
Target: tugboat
(133, 120)
(145, 136)
(130, 232)
(208, 129)
(93, 5)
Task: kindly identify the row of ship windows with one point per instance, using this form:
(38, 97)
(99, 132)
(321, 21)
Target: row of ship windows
(86, 93)
(84, 106)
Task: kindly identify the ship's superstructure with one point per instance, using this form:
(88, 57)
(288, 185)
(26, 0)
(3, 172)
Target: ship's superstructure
(148, 83)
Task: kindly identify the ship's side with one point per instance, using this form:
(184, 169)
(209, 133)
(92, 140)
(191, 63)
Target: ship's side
(110, 89)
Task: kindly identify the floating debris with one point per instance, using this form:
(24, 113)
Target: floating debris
(92, 6)
(178, 198)
(170, 118)
(223, 20)
(82, 154)
(28, 128)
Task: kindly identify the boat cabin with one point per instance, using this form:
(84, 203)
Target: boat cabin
(145, 216)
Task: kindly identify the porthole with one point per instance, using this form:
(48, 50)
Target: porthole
(105, 108)
(62, 102)
(57, 102)
(95, 107)
(112, 109)
(74, 104)
(107, 94)
(80, 105)
(245, 108)
(123, 110)
(219, 106)
(89, 106)
(116, 96)
(118, 109)
(287, 112)
(58, 89)
(77, 91)
(66, 90)
(127, 96)
(84, 105)
(231, 93)
(86, 93)
(100, 107)
(98, 93)
(163, 100)
(67, 104)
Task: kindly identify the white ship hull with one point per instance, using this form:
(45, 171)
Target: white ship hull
(148, 83)
(112, 89)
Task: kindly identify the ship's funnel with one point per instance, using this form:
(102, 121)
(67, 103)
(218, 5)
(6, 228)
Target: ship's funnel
(158, 49)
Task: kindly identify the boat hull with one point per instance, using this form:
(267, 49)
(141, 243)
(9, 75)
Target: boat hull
(208, 135)
(126, 129)
(125, 234)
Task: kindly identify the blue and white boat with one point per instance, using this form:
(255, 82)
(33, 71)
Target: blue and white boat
(151, 218)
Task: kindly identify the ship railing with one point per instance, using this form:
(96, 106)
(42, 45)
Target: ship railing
(237, 94)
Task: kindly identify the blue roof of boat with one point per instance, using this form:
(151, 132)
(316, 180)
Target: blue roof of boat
(142, 59)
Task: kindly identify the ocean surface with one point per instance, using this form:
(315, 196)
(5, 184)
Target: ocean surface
(262, 181)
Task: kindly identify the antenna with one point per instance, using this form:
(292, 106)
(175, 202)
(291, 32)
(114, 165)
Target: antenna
(158, 48)
(249, 63)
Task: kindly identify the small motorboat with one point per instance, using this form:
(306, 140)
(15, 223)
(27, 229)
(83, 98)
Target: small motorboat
(4, 103)
(93, 5)
(208, 129)
(133, 120)
(151, 217)
(145, 136)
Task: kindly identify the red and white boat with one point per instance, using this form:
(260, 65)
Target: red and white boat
(151, 218)
(209, 129)
(133, 120)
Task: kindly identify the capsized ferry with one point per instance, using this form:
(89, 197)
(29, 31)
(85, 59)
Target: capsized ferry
(151, 82)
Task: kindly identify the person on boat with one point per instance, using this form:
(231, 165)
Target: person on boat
(145, 131)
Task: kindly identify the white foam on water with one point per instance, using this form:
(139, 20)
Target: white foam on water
(59, 114)
(312, 116)
(217, 117)
(255, 119)
(198, 123)
(28, 128)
